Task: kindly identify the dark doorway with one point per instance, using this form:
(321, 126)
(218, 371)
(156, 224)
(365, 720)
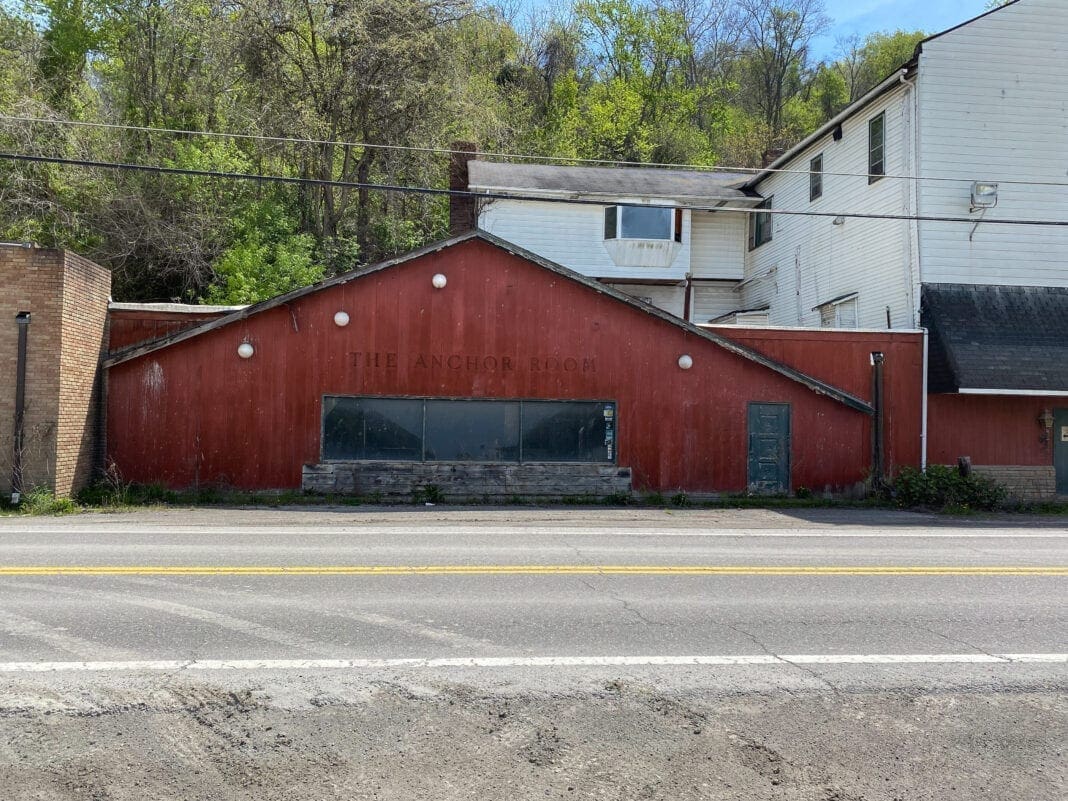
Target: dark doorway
(769, 448)
(1060, 449)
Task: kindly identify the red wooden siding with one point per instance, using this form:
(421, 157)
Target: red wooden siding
(991, 429)
(130, 327)
(194, 413)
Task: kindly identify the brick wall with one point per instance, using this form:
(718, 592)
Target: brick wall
(86, 290)
(67, 300)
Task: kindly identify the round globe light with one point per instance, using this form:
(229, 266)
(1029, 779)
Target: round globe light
(439, 281)
(341, 319)
(245, 350)
(685, 361)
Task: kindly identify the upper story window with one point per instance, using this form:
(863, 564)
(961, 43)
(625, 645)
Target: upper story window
(760, 226)
(815, 178)
(876, 148)
(642, 222)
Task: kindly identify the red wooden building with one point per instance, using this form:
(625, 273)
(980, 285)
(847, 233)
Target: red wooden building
(486, 370)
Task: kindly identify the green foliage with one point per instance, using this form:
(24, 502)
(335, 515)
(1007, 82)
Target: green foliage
(680, 499)
(43, 502)
(268, 257)
(942, 487)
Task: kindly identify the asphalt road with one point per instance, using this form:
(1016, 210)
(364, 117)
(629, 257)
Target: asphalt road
(823, 655)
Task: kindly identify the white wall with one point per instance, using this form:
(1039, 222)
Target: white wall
(572, 235)
(717, 246)
(993, 100)
(712, 299)
(809, 260)
(669, 298)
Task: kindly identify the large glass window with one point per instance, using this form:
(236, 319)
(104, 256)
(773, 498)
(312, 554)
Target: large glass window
(456, 430)
(372, 428)
(472, 431)
(567, 432)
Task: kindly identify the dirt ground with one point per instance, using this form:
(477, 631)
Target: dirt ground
(344, 737)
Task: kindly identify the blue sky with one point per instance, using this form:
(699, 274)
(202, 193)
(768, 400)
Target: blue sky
(866, 16)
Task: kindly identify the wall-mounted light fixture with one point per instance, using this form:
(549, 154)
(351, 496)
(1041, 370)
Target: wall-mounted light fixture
(439, 280)
(839, 220)
(685, 361)
(984, 195)
(245, 350)
(341, 319)
(1046, 421)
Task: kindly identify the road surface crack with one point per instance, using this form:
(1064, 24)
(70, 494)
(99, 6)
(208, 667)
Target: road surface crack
(803, 668)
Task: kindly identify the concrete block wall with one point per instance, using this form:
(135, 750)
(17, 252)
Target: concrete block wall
(67, 298)
(1023, 482)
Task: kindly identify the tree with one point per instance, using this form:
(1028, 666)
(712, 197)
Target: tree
(778, 34)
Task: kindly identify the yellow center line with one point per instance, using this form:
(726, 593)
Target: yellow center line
(538, 570)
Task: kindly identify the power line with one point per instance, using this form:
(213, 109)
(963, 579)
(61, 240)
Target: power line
(427, 190)
(501, 155)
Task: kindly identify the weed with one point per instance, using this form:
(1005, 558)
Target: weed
(943, 487)
(616, 499)
(654, 499)
(680, 499)
(42, 501)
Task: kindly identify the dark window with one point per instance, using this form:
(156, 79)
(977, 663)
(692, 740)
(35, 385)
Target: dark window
(876, 148)
(760, 226)
(472, 431)
(455, 430)
(577, 431)
(372, 428)
(645, 223)
(610, 217)
(678, 225)
(638, 222)
(815, 178)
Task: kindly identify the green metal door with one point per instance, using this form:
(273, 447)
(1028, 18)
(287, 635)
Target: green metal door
(769, 448)
(1060, 449)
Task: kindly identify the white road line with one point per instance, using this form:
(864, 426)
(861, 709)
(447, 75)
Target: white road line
(534, 661)
(475, 530)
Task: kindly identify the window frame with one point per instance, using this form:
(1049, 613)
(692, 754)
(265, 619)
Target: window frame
(815, 177)
(877, 167)
(613, 224)
(760, 225)
(612, 437)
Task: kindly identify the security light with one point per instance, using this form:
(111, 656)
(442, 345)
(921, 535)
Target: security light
(245, 350)
(984, 195)
(439, 281)
(685, 361)
(341, 319)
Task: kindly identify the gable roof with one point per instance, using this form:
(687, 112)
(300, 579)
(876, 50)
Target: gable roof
(814, 384)
(607, 182)
(988, 338)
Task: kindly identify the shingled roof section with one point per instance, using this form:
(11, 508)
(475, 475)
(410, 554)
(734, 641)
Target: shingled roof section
(1012, 338)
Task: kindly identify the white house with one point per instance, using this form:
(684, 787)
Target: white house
(983, 105)
(938, 200)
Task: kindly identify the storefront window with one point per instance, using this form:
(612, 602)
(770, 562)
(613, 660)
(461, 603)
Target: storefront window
(454, 430)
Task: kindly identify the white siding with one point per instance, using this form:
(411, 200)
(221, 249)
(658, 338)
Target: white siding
(669, 298)
(714, 299)
(717, 247)
(810, 261)
(572, 235)
(993, 99)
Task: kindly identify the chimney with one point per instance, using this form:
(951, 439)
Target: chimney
(462, 211)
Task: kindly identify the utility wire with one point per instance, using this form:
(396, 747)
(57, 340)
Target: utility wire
(427, 190)
(501, 155)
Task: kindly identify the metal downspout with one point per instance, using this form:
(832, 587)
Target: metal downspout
(22, 320)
